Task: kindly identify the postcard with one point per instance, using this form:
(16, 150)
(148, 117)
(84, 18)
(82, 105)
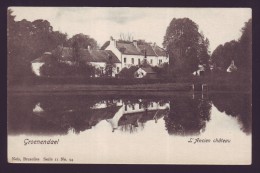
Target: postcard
(128, 85)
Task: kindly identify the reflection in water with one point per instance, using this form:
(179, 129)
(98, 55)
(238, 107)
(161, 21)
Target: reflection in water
(235, 105)
(50, 115)
(187, 116)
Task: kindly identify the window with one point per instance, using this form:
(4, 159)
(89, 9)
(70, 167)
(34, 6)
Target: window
(140, 105)
(133, 107)
(125, 107)
(151, 61)
(124, 60)
(139, 61)
(133, 61)
(117, 69)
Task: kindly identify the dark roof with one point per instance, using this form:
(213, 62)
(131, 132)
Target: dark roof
(86, 55)
(128, 48)
(148, 69)
(159, 51)
(103, 56)
(46, 57)
(148, 48)
(132, 118)
(105, 45)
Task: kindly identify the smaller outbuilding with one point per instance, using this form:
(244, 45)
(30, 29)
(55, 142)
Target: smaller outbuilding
(145, 72)
(232, 67)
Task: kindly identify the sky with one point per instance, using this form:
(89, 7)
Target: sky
(219, 25)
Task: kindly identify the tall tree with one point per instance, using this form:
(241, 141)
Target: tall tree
(240, 51)
(83, 41)
(28, 41)
(185, 45)
(224, 54)
(245, 60)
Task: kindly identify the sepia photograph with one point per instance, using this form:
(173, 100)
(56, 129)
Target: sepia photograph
(129, 85)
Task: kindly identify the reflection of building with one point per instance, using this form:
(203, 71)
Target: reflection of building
(134, 115)
(117, 113)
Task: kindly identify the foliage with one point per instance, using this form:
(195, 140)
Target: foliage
(110, 67)
(224, 54)
(186, 46)
(63, 69)
(240, 51)
(82, 41)
(28, 41)
(187, 116)
(128, 72)
(162, 71)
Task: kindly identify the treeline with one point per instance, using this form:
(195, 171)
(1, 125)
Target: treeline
(29, 40)
(238, 51)
(186, 46)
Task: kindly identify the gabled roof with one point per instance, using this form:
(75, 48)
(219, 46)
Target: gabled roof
(66, 54)
(103, 56)
(148, 69)
(147, 47)
(159, 51)
(46, 57)
(129, 48)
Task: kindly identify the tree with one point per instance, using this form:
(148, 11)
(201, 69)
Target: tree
(245, 46)
(224, 54)
(126, 37)
(110, 67)
(82, 41)
(185, 45)
(240, 51)
(28, 41)
(187, 116)
(128, 72)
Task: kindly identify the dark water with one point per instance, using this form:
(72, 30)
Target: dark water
(182, 115)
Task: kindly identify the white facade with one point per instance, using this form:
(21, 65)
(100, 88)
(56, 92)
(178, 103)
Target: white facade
(134, 60)
(36, 66)
(140, 73)
(133, 108)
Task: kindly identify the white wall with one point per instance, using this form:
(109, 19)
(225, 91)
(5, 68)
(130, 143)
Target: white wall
(129, 58)
(36, 68)
(128, 63)
(140, 72)
(163, 60)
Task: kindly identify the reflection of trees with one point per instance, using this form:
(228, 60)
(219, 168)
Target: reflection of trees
(132, 128)
(187, 116)
(235, 105)
(60, 114)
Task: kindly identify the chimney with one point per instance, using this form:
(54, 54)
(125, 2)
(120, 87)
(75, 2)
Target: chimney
(113, 41)
(135, 43)
(154, 45)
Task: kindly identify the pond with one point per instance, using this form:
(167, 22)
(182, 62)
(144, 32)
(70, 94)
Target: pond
(185, 129)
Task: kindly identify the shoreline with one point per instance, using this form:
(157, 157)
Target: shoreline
(143, 89)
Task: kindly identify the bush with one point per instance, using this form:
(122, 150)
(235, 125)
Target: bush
(128, 73)
(63, 69)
